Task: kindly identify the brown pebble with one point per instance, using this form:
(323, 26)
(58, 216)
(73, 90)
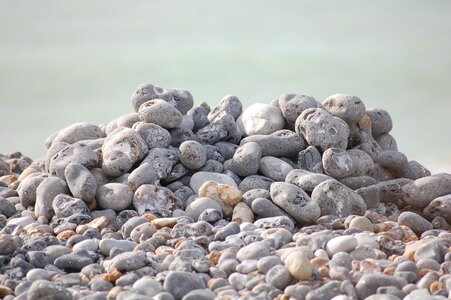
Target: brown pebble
(5, 291)
(164, 222)
(65, 235)
(112, 275)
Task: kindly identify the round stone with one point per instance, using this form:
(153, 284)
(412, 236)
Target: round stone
(160, 112)
(181, 283)
(299, 266)
(192, 155)
(415, 222)
(82, 184)
(362, 223)
(345, 243)
(116, 196)
(262, 119)
(65, 206)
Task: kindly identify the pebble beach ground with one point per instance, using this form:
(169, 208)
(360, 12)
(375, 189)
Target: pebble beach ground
(295, 199)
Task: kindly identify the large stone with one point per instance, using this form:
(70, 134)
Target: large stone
(262, 119)
(82, 184)
(47, 190)
(155, 199)
(181, 283)
(116, 196)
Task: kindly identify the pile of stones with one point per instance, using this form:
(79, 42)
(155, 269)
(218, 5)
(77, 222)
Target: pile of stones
(295, 199)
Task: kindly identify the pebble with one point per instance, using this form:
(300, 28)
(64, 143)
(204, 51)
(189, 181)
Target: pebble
(65, 206)
(369, 283)
(129, 261)
(415, 222)
(47, 190)
(48, 290)
(274, 168)
(178, 284)
(245, 160)
(155, 199)
(82, 184)
(116, 196)
(160, 112)
(261, 118)
(192, 155)
(198, 179)
(299, 266)
(344, 243)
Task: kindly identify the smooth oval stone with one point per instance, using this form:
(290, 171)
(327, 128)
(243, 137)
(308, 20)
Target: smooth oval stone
(274, 168)
(116, 196)
(282, 143)
(105, 245)
(439, 207)
(362, 223)
(65, 206)
(198, 206)
(181, 283)
(27, 188)
(148, 286)
(338, 163)
(261, 118)
(255, 182)
(7, 208)
(295, 202)
(435, 249)
(415, 222)
(121, 150)
(43, 289)
(369, 283)
(82, 184)
(279, 277)
(87, 245)
(329, 290)
(321, 129)
(145, 92)
(255, 250)
(345, 243)
(335, 198)
(422, 191)
(155, 199)
(266, 208)
(381, 122)
(199, 178)
(78, 132)
(47, 190)
(245, 160)
(192, 155)
(299, 266)
(275, 222)
(129, 261)
(160, 112)
(187, 122)
(73, 262)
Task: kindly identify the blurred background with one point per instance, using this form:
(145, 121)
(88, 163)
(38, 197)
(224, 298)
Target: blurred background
(63, 62)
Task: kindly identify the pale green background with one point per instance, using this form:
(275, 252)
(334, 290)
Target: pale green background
(68, 61)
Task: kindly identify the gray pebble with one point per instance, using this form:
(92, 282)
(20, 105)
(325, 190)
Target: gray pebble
(347, 107)
(328, 290)
(211, 215)
(73, 261)
(245, 160)
(145, 92)
(321, 129)
(255, 182)
(65, 206)
(415, 222)
(74, 153)
(121, 150)
(27, 188)
(434, 249)
(261, 118)
(43, 289)
(266, 208)
(337, 199)
(154, 135)
(381, 122)
(274, 168)
(306, 180)
(144, 174)
(160, 112)
(116, 196)
(310, 159)
(78, 132)
(283, 142)
(7, 208)
(131, 224)
(106, 245)
(275, 222)
(292, 105)
(192, 155)
(199, 117)
(369, 283)
(249, 196)
(129, 261)
(338, 163)
(387, 142)
(278, 276)
(181, 283)
(439, 207)
(81, 182)
(230, 104)
(295, 202)
(422, 191)
(47, 190)
(155, 199)
(255, 250)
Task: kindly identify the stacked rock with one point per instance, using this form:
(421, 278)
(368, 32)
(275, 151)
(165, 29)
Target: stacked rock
(295, 199)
